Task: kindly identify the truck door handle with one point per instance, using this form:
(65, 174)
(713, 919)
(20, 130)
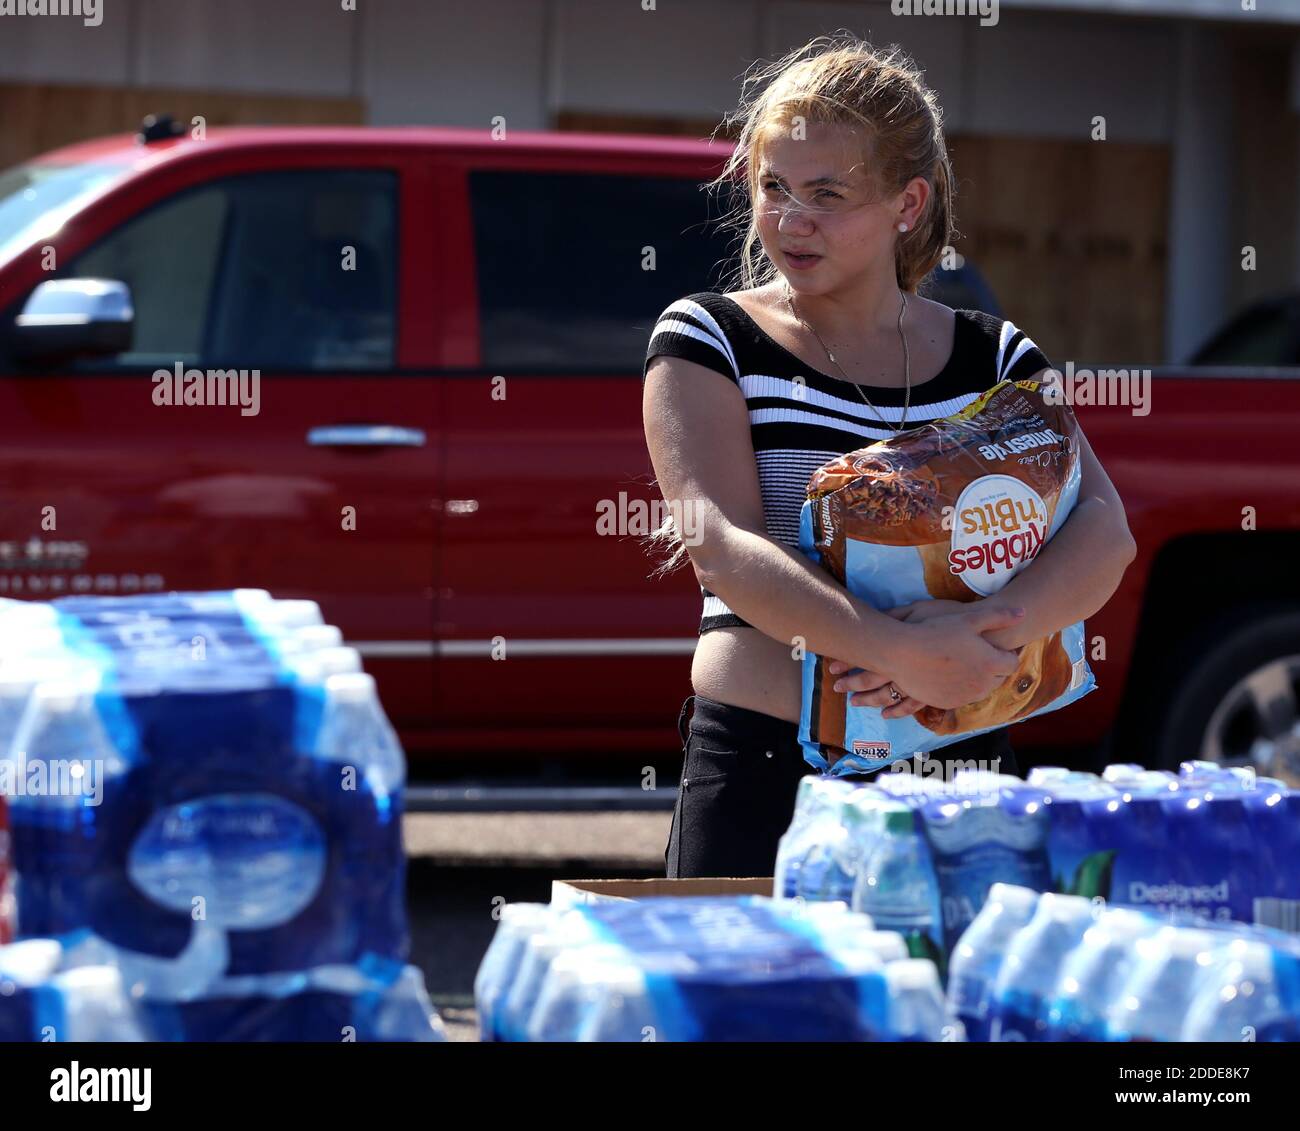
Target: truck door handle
(365, 436)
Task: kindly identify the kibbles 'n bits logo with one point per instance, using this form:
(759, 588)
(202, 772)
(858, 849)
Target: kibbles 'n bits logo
(1000, 524)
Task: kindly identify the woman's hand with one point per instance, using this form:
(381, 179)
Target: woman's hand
(925, 610)
(870, 688)
(862, 680)
(944, 662)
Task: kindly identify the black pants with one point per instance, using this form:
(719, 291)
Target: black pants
(740, 771)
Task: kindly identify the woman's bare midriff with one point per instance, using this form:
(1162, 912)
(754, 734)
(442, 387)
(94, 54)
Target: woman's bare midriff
(745, 668)
(742, 666)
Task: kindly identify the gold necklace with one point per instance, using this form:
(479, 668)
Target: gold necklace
(907, 361)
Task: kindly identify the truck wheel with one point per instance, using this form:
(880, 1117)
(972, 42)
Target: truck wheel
(1235, 699)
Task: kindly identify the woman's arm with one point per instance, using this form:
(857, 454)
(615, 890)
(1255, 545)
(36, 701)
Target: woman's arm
(1074, 574)
(1069, 579)
(1077, 571)
(697, 430)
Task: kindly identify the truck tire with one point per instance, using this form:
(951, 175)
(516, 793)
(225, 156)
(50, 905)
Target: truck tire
(1235, 693)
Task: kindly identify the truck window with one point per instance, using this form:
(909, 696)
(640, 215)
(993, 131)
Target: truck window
(169, 258)
(286, 270)
(1265, 335)
(564, 263)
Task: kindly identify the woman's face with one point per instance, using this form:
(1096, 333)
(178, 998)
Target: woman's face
(816, 214)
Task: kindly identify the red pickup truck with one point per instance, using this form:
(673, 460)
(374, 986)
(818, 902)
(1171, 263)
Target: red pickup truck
(447, 331)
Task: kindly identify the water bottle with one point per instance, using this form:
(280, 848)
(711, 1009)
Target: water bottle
(1080, 845)
(1061, 780)
(1272, 812)
(285, 614)
(1094, 974)
(1208, 831)
(174, 633)
(582, 981)
(917, 1009)
(897, 886)
(978, 954)
(992, 834)
(17, 680)
(1199, 772)
(1042, 775)
(818, 874)
(863, 816)
(310, 637)
(403, 1012)
(1168, 971)
(842, 994)
(907, 786)
(784, 988)
(354, 729)
(1122, 772)
(814, 820)
(374, 1000)
(502, 959)
(65, 763)
(20, 618)
(1029, 973)
(1129, 860)
(888, 946)
(44, 998)
(837, 845)
(1252, 994)
(90, 607)
(974, 783)
(621, 1008)
(257, 806)
(1141, 782)
(742, 968)
(569, 929)
(742, 996)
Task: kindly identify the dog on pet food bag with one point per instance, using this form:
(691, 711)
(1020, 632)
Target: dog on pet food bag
(949, 511)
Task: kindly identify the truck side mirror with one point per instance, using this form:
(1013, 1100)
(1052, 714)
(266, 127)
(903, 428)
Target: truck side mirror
(66, 318)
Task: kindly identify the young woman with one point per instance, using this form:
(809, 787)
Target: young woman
(826, 348)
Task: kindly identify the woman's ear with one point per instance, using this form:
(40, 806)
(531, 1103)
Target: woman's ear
(912, 202)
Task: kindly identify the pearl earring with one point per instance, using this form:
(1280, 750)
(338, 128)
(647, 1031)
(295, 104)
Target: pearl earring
(902, 227)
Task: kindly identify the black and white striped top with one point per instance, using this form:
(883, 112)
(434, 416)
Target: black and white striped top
(798, 426)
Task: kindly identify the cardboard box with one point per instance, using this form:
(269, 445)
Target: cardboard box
(566, 893)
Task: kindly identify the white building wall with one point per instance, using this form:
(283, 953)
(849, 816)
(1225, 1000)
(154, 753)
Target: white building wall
(1045, 75)
(461, 62)
(464, 62)
(1201, 258)
(455, 64)
(679, 59)
(42, 49)
(283, 47)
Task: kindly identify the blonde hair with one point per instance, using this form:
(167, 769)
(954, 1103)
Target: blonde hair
(838, 80)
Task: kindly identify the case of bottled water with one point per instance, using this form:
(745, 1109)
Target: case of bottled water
(207, 784)
(1049, 967)
(704, 969)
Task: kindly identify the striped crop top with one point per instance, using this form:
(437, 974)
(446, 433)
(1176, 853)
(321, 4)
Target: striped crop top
(792, 434)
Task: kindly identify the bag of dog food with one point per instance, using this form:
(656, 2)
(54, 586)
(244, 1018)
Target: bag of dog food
(950, 510)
